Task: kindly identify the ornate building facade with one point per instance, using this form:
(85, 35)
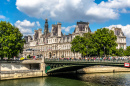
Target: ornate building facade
(54, 43)
(121, 38)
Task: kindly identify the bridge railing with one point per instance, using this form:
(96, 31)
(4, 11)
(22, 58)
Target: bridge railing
(91, 60)
(19, 71)
(10, 61)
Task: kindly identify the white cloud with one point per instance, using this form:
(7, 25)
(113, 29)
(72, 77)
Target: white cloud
(25, 26)
(38, 24)
(125, 29)
(67, 29)
(8, 0)
(100, 13)
(125, 11)
(2, 17)
(115, 4)
(70, 10)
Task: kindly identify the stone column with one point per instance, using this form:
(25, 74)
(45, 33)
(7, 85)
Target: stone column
(42, 67)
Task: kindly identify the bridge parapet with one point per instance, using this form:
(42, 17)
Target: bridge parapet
(101, 61)
(11, 61)
(21, 61)
(31, 61)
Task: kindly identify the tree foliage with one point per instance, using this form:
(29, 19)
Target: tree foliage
(78, 45)
(102, 42)
(90, 45)
(127, 51)
(105, 41)
(11, 40)
(119, 52)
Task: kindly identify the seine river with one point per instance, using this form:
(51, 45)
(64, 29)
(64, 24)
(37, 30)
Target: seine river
(98, 79)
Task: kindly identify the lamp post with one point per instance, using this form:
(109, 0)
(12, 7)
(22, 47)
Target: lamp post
(104, 51)
(59, 52)
(56, 50)
(33, 52)
(87, 51)
(74, 53)
(56, 53)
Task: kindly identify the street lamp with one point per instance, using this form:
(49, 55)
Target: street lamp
(56, 50)
(59, 52)
(104, 51)
(87, 51)
(74, 53)
(33, 52)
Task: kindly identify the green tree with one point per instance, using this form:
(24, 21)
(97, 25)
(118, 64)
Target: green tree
(121, 52)
(79, 45)
(90, 44)
(11, 40)
(127, 51)
(105, 41)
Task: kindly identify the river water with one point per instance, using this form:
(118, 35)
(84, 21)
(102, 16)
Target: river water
(97, 79)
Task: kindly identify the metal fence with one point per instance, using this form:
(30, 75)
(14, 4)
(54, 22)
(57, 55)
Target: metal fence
(10, 61)
(19, 71)
(90, 60)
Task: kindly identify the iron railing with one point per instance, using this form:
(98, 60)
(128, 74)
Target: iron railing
(88, 60)
(10, 61)
(20, 71)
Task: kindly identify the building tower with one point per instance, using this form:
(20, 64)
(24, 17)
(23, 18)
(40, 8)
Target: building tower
(46, 31)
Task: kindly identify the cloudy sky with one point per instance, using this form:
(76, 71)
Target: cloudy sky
(29, 15)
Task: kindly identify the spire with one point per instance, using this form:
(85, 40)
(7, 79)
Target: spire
(46, 27)
(46, 20)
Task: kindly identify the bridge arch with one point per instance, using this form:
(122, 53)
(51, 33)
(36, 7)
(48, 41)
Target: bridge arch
(61, 66)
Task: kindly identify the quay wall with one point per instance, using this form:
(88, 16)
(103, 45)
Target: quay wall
(103, 69)
(21, 70)
(18, 66)
(25, 74)
(13, 66)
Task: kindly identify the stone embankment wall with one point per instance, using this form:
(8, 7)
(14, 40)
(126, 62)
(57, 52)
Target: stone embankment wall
(13, 66)
(20, 70)
(25, 74)
(103, 69)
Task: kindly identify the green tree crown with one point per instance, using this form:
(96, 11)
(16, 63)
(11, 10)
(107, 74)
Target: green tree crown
(11, 40)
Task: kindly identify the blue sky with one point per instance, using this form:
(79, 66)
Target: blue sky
(29, 15)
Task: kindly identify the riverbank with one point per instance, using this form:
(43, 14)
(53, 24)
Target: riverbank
(24, 69)
(103, 69)
(21, 74)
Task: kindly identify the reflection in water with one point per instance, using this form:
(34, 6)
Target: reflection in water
(99, 79)
(23, 82)
(107, 79)
(45, 81)
(111, 79)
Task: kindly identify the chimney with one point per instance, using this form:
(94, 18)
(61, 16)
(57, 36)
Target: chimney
(39, 33)
(52, 30)
(59, 29)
